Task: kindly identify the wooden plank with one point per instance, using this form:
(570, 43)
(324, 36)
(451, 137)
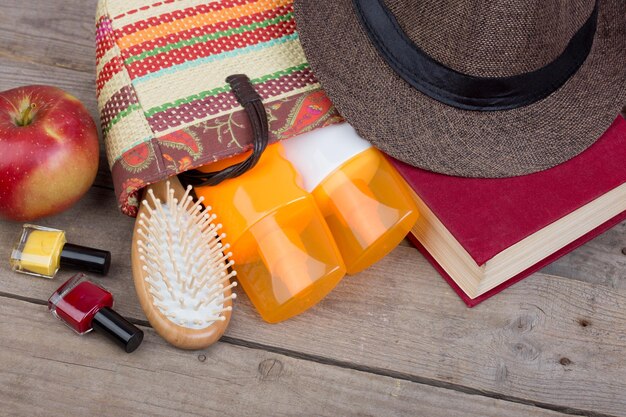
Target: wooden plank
(56, 33)
(46, 370)
(602, 261)
(547, 340)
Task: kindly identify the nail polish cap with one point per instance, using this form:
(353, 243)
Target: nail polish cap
(85, 259)
(117, 328)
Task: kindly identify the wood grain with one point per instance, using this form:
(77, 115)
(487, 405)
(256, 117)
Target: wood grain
(557, 341)
(547, 340)
(46, 370)
(54, 33)
(601, 261)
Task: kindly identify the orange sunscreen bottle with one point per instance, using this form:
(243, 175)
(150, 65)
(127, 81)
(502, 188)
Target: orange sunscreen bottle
(364, 200)
(286, 258)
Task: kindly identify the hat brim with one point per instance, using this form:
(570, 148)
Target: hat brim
(425, 133)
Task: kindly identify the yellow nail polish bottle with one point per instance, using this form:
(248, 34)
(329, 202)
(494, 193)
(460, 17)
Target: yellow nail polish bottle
(41, 251)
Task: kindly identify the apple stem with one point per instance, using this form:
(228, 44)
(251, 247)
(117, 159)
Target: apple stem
(27, 115)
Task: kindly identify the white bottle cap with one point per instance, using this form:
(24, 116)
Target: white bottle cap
(318, 153)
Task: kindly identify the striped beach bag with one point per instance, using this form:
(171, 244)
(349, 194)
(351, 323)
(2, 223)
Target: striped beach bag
(165, 106)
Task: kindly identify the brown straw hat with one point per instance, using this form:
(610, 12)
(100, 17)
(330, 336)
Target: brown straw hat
(475, 88)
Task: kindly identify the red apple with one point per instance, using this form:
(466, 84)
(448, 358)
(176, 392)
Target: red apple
(48, 152)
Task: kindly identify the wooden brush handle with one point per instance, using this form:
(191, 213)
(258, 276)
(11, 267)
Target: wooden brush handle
(179, 336)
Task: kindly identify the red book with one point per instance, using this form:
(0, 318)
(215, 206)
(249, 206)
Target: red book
(483, 235)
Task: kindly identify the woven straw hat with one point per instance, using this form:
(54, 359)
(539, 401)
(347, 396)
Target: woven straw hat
(165, 105)
(475, 88)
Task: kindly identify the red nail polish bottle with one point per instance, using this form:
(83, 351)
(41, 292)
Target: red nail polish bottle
(85, 306)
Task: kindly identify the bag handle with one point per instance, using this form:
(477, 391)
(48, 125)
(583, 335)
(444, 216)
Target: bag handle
(253, 105)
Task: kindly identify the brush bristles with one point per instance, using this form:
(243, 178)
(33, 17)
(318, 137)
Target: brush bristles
(183, 259)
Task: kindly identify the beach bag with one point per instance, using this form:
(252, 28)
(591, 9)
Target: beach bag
(165, 106)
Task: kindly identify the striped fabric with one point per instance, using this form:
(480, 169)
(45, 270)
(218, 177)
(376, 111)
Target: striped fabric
(161, 69)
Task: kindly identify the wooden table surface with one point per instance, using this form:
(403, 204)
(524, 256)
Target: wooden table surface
(394, 340)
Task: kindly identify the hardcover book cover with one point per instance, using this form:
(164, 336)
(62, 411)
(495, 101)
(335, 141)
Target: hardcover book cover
(487, 216)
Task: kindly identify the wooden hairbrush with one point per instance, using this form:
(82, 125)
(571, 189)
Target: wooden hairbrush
(181, 269)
